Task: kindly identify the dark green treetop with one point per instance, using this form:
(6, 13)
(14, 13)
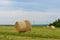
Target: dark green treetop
(56, 23)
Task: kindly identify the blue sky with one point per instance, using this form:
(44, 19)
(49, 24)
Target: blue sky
(37, 11)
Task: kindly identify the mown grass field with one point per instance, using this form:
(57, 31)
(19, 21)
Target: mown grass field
(37, 33)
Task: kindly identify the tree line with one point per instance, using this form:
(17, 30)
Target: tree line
(56, 23)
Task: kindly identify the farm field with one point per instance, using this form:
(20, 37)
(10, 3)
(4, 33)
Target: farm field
(37, 33)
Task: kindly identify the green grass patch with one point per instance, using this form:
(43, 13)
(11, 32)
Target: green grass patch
(37, 33)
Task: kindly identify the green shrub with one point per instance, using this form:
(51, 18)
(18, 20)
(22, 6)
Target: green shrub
(55, 23)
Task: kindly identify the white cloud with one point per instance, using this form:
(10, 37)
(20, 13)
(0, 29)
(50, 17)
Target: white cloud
(9, 16)
(5, 2)
(11, 12)
(36, 17)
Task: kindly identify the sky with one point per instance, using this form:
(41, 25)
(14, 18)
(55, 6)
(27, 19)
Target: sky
(37, 11)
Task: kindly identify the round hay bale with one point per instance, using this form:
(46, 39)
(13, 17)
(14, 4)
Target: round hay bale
(52, 27)
(28, 25)
(20, 26)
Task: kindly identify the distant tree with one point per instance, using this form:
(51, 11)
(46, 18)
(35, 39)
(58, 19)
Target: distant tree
(55, 23)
